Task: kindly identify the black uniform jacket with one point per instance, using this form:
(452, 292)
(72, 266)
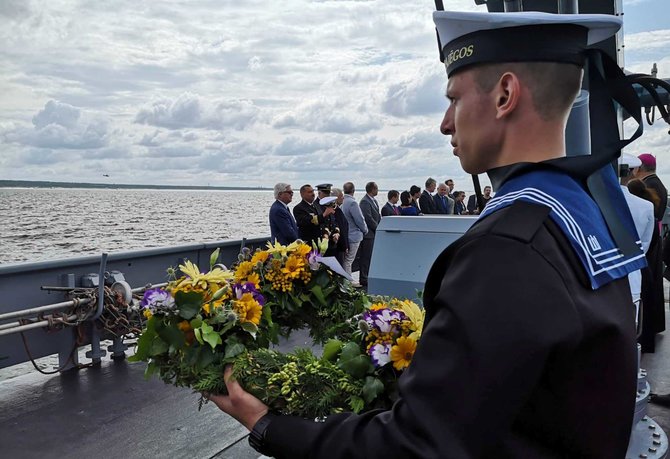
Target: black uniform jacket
(309, 227)
(536, 364)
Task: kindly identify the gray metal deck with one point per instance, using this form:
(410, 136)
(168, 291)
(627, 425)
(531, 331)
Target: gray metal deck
(110, 411)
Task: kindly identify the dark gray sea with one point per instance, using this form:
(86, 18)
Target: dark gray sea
(51, 223)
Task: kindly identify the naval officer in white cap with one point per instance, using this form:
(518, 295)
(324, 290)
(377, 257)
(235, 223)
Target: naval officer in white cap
(539, 362)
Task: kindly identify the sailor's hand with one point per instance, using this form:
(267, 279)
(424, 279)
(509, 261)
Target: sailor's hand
(239, 403)
(328, 211)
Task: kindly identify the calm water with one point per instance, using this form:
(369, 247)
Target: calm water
(42, 224)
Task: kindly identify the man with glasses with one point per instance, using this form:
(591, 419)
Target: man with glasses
(283, 228)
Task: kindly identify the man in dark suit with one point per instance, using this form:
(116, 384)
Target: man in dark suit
(308, 217)
(472, 207)
(370, 209)
(391, 207)
(450, 184)
(426, 201)
(282, 224)
(443, 203)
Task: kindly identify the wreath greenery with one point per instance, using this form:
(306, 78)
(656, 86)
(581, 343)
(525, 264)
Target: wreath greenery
(202, 322)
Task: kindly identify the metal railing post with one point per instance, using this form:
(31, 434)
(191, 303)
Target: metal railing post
(512, 6)
(568, 6)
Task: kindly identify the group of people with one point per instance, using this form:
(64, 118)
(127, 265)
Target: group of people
(434, 199)
(647, 199)
(334, 216)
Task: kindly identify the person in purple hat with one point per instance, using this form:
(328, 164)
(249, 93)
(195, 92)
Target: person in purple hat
(647, 173)
(653, 297)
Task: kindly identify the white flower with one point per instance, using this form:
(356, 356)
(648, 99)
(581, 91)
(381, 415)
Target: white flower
(381, 354)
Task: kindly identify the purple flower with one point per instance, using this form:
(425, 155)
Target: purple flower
(248, 287)
(157, 299)
(313, 259)
(383, 320)
(381, 354)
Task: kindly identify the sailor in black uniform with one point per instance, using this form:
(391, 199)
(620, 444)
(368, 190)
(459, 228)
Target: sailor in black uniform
(540, 362)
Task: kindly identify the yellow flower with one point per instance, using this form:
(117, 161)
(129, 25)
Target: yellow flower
(260, 256)
(201, 280)
(248, 309)
(377, 306)
(243, 270)
(402, 352)
(255, 279)
(414, 313)
(293, 266)
(147, 314)
(303, 250)
(282, 250)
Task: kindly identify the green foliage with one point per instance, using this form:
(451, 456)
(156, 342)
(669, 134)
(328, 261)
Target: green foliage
(372, 388)
(213, 258)
(206, 334)
(169, 334)
(354, 362)
(332, 350)
(144, 342)
(189, 303)
(298, 383)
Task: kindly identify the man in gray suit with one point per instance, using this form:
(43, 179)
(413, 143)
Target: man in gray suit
(357, 226)
(370, 209)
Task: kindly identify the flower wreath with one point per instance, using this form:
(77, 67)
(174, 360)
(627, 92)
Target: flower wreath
(202, 322)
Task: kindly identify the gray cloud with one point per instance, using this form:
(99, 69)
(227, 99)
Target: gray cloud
(297, 146)
(192, 111)
(327, 116)
(56, 113)
(181, 151)
(423, 139)
(60, 125)
(420, 95)
(150, 140)
(15, 9)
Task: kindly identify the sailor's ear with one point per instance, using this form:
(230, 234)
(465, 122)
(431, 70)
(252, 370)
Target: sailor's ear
(506, 94)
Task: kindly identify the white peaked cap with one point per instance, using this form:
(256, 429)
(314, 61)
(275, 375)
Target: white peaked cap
(454, 24)
(477, 38)
(630, 160)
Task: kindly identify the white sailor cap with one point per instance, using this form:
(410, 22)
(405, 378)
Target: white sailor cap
(467, 38)
(630, 160)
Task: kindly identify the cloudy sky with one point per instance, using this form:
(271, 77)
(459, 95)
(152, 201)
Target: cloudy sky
(243, 92)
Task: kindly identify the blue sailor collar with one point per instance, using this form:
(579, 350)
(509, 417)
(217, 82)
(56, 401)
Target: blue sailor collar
(578, 216)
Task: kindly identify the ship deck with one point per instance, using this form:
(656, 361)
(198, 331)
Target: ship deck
(111, 411)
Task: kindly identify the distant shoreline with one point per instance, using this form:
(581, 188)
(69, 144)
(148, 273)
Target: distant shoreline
(44, 184)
